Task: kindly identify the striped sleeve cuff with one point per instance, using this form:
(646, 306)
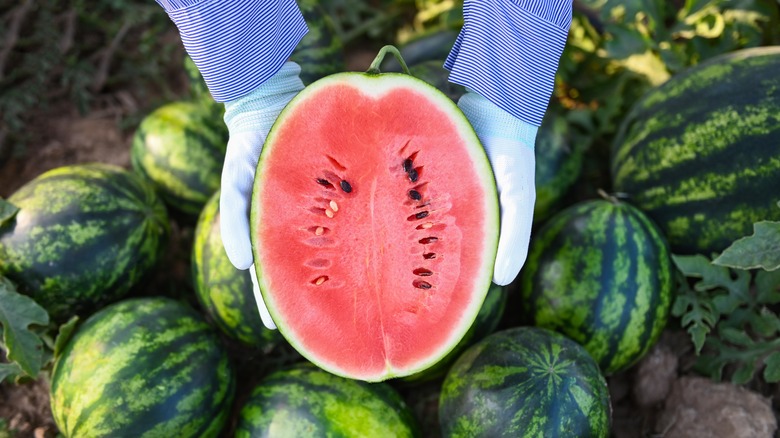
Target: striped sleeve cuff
(508, 51)
(238, 44)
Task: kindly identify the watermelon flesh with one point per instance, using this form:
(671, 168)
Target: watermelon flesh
(375, 224)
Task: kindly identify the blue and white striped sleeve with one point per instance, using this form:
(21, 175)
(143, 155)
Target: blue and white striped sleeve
(237, 44)
(508, 51)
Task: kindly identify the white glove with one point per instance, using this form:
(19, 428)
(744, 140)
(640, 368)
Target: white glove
(248, 120)
(509, 143)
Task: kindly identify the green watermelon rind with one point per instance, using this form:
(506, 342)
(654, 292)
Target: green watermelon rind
(143, 367)
(600, 272)
(225, 292)
(525, 382)
(85, 235)
(180, 149)
(378, 83)
(698, 154)
(306, 401)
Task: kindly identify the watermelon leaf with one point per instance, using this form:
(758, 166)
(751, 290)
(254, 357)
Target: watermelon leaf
(64, 335)
(759, 250)
(772, 370)
(7, 211)
(17, 313)
(9, 371)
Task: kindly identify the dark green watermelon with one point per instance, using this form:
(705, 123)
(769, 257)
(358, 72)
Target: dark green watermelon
(305, 401)
(486, 323)
(559, 163)
(320, 53)
(600, 273)
(180, 148)
(145, 367)
(84, 235)
(225, 292)
(699, 154)
(525, 382)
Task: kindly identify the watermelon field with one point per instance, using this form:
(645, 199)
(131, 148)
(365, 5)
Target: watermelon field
(648, 306)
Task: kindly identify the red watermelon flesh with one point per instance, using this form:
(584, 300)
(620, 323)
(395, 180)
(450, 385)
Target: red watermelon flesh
(375, 224)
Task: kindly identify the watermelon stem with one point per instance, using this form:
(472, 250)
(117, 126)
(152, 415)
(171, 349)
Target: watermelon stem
(374, 67)
(613, 198)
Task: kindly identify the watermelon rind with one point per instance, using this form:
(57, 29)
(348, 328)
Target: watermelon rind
(306, 401)
(225, 292)
(699, 154)
(180, 148)
(525, 382)
(143, 367)
(377, 85)
(84, 235)
(600, 272)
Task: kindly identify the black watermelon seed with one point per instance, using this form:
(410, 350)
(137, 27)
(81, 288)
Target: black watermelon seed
(413, 175)
(407, 165)
(419, 284)
(429, 255)
(422, 214)
(345, 186)
(324, 182)
(414, 194)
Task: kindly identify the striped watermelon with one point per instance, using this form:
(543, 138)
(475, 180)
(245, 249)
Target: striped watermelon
(180, 148)
(525, 382)
(144, 367)
(600, 273)
(225, 292)
(699, 154)
(83, 237)
(320, 53)
(305, 401)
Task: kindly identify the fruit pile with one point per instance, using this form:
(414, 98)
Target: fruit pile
(694, 166)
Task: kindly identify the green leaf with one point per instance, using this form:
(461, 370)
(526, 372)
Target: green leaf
(624, 41)
(772, 369)
(759, 250)
(9, 371)
(767, 287)
(743, 373)
(64, 335)
(735, 336)
(7, 211)
(17, 314)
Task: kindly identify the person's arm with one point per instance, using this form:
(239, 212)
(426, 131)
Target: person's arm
(241, 48)
(507, 55)
(238, 44)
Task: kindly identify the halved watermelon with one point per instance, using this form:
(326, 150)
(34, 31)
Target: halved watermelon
(374, 224)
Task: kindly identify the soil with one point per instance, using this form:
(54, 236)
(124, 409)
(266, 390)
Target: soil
(658, 397)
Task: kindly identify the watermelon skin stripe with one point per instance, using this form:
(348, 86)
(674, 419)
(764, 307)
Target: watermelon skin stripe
(83, 237)
(525, 382)
(180, 148)
(701, 153)
(306, 401)
(222, 290)
(600, 273)
(148, 367)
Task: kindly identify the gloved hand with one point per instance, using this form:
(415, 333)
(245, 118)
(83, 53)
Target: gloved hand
(248, 120)
(509, 143)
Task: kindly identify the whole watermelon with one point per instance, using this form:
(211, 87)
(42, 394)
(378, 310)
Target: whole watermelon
(225, 292)
(180, 148)
(525, 382)
(699, 154)
(320, 53)
(83, 236)
(305, 401)
(434, 73)
(600, 273)
(144, 367)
